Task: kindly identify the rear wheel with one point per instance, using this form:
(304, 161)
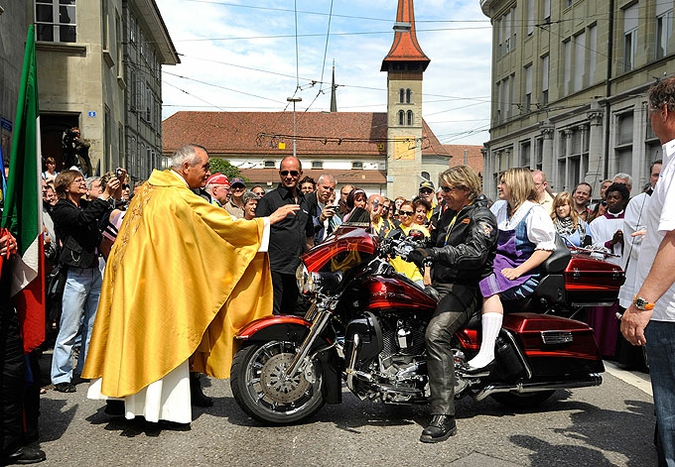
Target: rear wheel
(522, 400)
(261, 389)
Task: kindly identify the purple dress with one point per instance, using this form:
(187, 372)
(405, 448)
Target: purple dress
(513, 249)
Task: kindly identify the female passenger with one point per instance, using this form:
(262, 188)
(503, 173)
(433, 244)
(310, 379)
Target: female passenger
(406, 216)
(526, 239)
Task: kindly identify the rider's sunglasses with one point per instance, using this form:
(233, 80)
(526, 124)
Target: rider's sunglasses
(406, 213)
(447, 189)
(294, 173)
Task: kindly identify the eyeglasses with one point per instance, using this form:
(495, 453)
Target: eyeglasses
(294, 173)
(406, 213)
(447, 189)
(426, 191)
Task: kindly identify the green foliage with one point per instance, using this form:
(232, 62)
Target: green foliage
(223, 166)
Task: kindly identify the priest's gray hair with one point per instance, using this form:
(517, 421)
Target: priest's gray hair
(186, 153)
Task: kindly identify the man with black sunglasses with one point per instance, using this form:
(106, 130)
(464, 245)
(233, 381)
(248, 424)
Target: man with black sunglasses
(288, 238)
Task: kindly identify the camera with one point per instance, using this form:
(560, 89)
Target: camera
(119, 173)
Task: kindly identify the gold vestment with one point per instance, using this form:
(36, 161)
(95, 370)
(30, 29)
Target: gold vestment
(182, 278)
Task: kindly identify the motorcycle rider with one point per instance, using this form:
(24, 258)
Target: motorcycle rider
(464, 242)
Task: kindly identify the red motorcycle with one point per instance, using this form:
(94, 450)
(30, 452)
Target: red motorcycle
(366, 326)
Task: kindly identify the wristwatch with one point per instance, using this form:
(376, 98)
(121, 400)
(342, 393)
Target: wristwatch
(642, 304)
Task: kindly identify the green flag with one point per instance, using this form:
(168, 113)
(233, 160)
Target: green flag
(22, 214)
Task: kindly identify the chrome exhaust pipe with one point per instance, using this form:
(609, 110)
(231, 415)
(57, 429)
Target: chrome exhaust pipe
(593, 379)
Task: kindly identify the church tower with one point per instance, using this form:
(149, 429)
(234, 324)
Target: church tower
(405, 65)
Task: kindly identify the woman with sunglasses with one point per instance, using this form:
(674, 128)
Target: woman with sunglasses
(567, 222)
(408, 226)
(526, 239)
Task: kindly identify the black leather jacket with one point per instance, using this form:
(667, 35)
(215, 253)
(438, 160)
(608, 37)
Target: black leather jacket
(464, 250)
(77, 230)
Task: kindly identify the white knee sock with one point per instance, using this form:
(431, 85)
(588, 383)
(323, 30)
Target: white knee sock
(491, 324)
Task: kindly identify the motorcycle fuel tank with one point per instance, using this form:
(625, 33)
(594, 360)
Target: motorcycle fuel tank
(396, 293)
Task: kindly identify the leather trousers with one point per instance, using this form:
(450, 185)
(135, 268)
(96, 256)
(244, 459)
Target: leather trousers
(453, 312)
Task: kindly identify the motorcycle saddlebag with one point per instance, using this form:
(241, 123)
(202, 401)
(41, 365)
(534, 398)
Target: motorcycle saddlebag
(555, 346)
(592, 282)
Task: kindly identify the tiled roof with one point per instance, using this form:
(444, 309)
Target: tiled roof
(345, 134)
(474, 156)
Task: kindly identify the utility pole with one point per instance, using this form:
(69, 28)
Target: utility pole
(294, 100)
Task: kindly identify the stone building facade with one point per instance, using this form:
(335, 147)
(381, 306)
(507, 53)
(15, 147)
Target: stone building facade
(569, 81)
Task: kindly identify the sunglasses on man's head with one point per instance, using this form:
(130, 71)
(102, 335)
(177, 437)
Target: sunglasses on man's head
(294, 173)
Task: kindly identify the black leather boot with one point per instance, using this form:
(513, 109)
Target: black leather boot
(439, 429)
(196, 393)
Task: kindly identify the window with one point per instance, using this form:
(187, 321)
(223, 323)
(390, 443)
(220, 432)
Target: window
(410, 118)
(507, 33)
(592, 53)
(401, 95)
(408, 94)
(530, 17)
(401, 117)
(317, 164)
(544, 80)
(357, 165)
(547, 11)
(55, 20)
(269, 164)
(567, 45)
(528, 87)
(630, 28)
(664, 27)
(525, 153)
(579, 61)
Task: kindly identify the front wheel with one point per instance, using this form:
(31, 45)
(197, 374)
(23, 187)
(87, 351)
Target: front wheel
(261, 390)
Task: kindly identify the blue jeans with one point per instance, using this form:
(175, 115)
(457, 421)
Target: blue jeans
(660, 351)
(80, 300)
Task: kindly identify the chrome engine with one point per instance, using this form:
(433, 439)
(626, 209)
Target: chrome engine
(387, 361)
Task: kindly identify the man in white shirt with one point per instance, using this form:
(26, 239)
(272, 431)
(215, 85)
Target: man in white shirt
(650, 319)
(541, 186)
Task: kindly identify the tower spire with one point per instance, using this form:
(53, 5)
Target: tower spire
(405, 49)
(333, 93)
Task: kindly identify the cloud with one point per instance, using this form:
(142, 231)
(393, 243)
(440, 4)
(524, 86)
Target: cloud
(241, 55)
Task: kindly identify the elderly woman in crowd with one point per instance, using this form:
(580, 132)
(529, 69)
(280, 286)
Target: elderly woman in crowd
(250, 201)
(567, 222)
(526, 239)
(422, 207)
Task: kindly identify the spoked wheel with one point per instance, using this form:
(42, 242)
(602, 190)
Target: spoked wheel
(261, 389)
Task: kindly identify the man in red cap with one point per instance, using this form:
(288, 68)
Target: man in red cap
(218, 186)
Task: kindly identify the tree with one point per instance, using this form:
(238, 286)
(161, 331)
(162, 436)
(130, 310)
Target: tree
(223, 166)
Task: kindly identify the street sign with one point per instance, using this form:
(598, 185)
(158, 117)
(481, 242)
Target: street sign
(91, 113)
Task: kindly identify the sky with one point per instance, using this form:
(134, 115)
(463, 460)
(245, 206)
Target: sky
(251, 55)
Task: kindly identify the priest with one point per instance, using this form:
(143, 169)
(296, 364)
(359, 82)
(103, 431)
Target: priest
(182, 278)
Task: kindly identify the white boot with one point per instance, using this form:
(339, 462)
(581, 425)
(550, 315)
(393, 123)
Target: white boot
(491, 324)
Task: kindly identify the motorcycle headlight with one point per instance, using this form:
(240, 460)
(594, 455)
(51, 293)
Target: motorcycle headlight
(308, 282)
